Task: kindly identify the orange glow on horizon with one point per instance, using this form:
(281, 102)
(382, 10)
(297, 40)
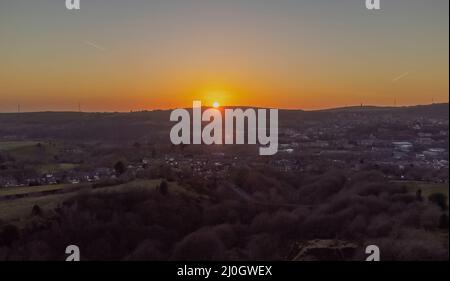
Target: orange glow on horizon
(261, 58)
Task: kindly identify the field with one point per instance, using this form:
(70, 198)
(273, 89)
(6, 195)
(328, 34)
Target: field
(53, 168)
(10, 191)
(428, 188)
(146, 184)
(15, 209)
(12, 145)
(39, 154)
(18, 210)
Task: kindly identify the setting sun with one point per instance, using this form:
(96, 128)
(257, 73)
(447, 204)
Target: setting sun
(216, 104)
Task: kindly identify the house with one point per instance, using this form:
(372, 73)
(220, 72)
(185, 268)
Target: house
(403, 146)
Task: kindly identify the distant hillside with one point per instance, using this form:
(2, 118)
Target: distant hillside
(155, 125)
(433, 110)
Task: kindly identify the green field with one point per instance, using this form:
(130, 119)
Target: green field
(31, 152)
(18, 211)
(428, 188)
(53, 168)
(147, 185)
(11, 145)
(9, 191)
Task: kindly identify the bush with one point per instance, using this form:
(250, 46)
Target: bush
(202, 245)
(263, 247)
(148, 250)
(9, 234)
(443, 221)
(36, 211)
(120, 168)
(439, 199)
(412, 245)
(164, 188)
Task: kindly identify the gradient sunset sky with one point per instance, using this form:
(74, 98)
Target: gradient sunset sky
(117, 55)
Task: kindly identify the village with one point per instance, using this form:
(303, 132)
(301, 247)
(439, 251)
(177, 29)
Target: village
(403, 149)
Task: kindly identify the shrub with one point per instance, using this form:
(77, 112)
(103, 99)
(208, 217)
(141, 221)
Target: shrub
(443, 221)
(120, 168)
(202, 245)
(9, 234)
(263, 247)
(439, 199)
(36, 211)
(149, 250)
(164, 188)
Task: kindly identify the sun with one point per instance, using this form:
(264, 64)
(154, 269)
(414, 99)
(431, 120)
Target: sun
(216, 104)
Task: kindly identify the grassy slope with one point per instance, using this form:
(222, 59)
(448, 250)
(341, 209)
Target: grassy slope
(9, 191)
(19, 210)
(12, 145)
(429, 188)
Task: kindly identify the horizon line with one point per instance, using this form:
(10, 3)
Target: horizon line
(229, 106)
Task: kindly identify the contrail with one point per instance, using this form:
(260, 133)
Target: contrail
(89, 43)
(400, 77)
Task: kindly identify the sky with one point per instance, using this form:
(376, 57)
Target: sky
(115, 55)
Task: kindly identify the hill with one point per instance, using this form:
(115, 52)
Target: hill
(153, 126)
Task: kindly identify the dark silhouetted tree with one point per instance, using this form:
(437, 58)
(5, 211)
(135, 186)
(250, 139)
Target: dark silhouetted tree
(419, 195)
(439, 199)
(443, 221)
(164, 188)
(119, 168)
(36, 211)
(9, 234)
